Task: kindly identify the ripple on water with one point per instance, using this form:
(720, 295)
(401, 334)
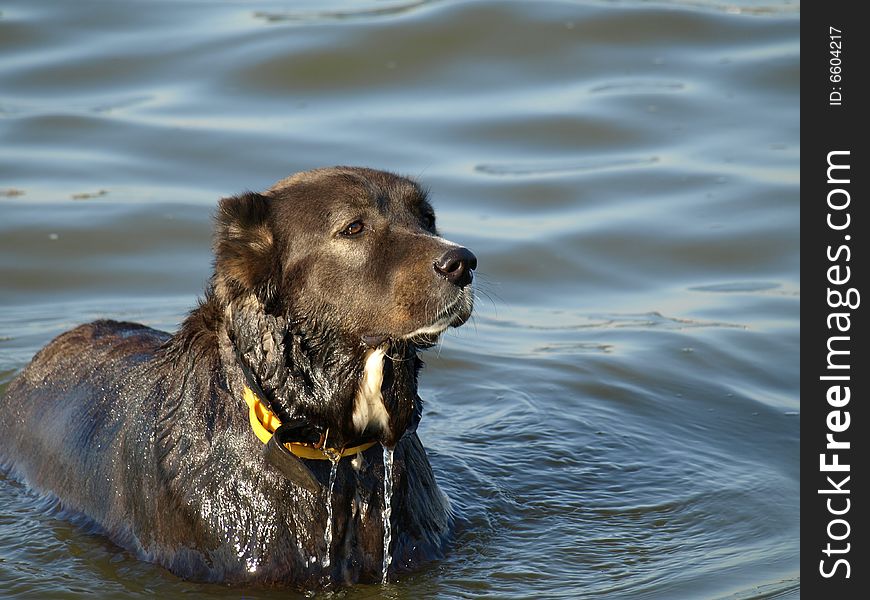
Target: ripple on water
(561, 168)
(323, 14)
(738, 286)
(637, 87)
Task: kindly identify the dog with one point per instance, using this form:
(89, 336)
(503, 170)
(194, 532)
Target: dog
(269, 438)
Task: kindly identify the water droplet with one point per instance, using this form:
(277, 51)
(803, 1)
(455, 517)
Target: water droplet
(388, 510)
(327, 534)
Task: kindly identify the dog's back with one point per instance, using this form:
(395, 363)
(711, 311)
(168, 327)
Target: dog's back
(73, 398)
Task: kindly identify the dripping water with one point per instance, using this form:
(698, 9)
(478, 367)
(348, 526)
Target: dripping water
(388, 509)
(327, 534)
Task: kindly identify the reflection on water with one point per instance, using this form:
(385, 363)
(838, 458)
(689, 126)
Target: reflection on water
(621, 417)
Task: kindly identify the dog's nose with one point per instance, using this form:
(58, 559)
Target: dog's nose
(456, 266)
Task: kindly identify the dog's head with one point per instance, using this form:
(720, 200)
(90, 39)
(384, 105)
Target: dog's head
(351, 251)
(353, 248)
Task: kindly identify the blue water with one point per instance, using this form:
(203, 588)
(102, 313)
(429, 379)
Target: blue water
(621, 417)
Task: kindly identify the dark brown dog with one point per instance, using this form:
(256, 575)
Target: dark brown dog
(324, 289)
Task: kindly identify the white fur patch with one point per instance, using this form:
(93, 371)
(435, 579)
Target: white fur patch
(369, 406)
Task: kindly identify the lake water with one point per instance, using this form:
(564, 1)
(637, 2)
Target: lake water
(621, 418)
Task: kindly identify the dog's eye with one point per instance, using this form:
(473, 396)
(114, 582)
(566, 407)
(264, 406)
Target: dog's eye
(355, 228)
(429, 220)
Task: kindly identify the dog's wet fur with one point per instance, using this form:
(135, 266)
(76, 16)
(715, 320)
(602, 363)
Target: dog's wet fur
(324, 289)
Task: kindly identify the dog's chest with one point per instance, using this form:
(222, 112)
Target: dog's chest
(369, 410)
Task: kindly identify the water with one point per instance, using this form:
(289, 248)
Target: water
(621, 417)
(327, 533)
(388, 510)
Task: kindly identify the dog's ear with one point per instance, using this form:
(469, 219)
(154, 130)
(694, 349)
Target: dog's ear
(244, 242)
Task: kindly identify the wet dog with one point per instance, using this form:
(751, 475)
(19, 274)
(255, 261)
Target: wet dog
(252, 445)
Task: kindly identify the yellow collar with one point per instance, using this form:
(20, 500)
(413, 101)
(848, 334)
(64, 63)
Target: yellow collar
(264, 423)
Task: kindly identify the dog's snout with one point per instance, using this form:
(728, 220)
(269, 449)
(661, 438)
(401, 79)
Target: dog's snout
(456, 265)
